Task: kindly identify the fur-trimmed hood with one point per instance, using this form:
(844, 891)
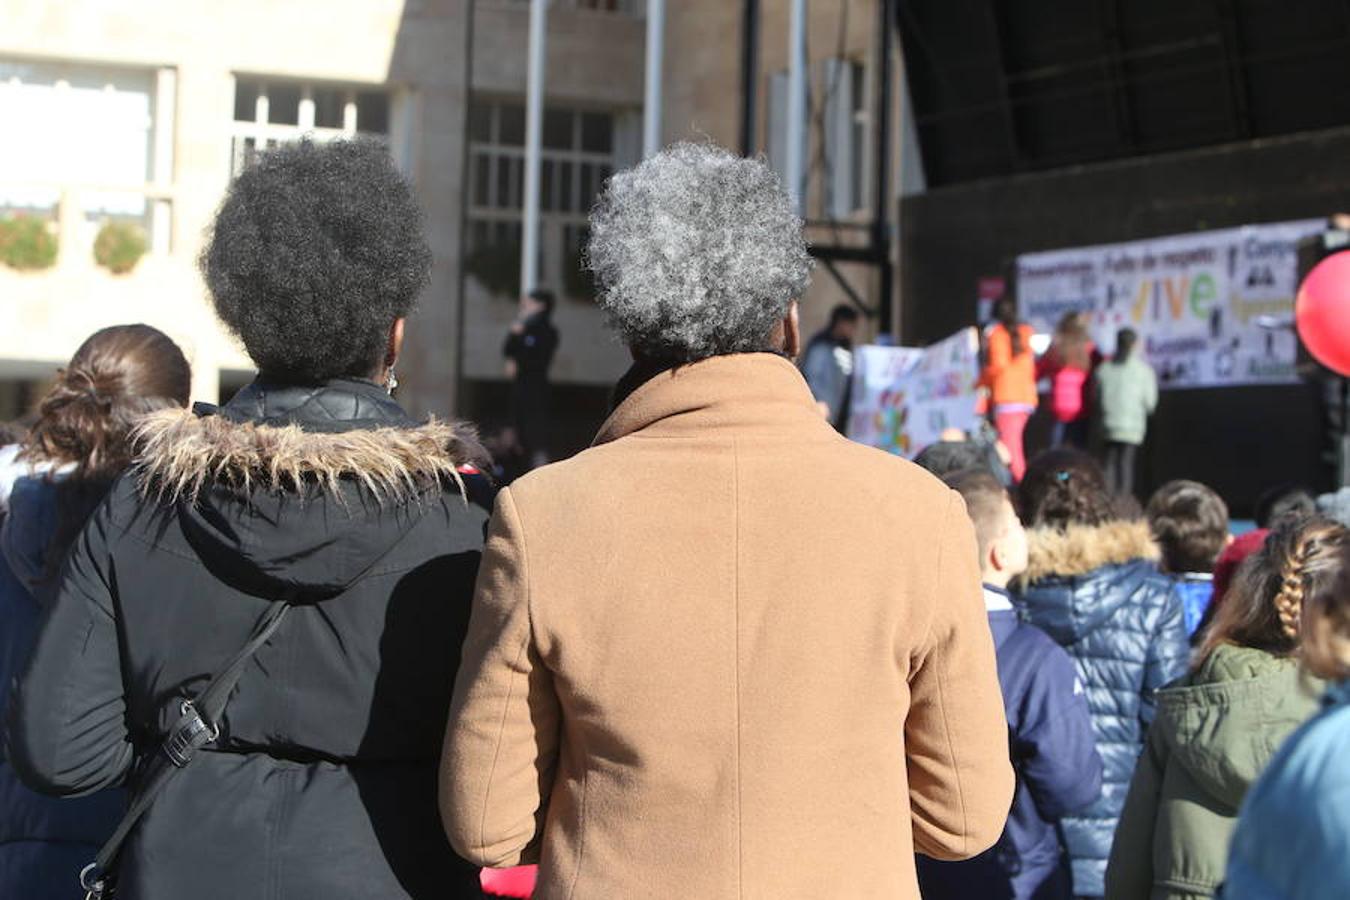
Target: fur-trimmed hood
(178, 452)
(1080, 549)
(288, 489)
(1079, 577)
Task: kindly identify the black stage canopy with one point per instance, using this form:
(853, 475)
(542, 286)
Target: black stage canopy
(1006, 86)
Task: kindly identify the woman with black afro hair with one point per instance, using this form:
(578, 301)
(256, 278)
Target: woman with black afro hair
(308, 531)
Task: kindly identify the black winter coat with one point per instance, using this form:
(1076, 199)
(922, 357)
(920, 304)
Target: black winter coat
(1097, 591)
(322, 783)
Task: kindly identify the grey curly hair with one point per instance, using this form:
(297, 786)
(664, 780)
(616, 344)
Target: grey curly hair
(696, 253)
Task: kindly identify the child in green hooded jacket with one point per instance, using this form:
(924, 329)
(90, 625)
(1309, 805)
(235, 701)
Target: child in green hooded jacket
(1217, 727)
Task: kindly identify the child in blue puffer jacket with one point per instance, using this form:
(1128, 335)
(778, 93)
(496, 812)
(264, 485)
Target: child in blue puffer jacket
(1053, 748)
(1190, 524)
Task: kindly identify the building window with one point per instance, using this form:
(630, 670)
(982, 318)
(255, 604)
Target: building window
(96, 139)
(835, 140)
(845, 139)
(577, 157)
(268, 112)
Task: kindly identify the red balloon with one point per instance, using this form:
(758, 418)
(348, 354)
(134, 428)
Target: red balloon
(1322, 312)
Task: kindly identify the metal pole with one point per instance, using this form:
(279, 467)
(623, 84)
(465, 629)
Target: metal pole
(881, 234)
(651, 107)
(796, 119)
(534, 122)
(749, 78)
(458, 409)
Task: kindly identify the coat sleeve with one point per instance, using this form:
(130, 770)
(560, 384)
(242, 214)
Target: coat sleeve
(956, 733)
(1150, 389)
(1129, 874)
(67, 732)
(1168, 650)
(1057, 748)
(501, 742)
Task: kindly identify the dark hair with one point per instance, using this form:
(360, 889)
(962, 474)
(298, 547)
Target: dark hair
(1065, 487)
(984, 496)
(544, 297)
(1126, 338)
(945, 458)
(1283, 500)
(87, 417)
(1190, 523)
(843, 313)
(1326, 624)
(1005, 313)
(1264, 606)
(315, 252)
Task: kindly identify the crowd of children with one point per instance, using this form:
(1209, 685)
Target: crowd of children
(1152, 670)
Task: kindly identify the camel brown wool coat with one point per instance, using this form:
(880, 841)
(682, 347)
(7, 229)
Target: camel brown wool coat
(726, 653)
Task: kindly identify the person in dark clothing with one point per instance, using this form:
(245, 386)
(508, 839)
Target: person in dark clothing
(311, 487)
(1053, 748)
(529, 350)
(49, 484)
(1092, 583)
(1283, 500)
(827, 364)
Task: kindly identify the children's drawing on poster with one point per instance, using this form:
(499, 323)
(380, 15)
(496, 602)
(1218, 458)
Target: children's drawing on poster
(1211, 308)
(905, 397)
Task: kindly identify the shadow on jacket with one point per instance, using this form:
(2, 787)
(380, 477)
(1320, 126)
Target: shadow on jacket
(44, 842)
(322, 784)
(1215, 731)
(1097, 592)
(1293, 834)
(1059, 771)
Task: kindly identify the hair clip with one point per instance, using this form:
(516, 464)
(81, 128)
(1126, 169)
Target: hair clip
(1062, 476)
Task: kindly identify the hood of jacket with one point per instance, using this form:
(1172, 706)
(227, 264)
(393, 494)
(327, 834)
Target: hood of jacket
(300, 489)
(1078, 576)
(1224, 721)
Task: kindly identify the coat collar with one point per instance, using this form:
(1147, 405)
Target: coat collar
(339, 404)
(280, 436)
(1080, 549)
(752, 392)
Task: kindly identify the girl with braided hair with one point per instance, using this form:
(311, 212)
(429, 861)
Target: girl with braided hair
(1217, 728)
(1293, 834)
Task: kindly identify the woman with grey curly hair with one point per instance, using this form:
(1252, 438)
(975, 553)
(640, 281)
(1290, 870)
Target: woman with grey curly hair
(697, 253)
(668, 671)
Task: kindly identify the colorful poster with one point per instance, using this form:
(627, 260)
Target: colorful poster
(904, 397)
(1212, 309)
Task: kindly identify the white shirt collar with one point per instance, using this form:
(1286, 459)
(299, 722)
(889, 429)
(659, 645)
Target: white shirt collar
(996, 601)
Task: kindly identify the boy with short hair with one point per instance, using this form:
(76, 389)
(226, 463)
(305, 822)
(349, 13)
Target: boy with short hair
(1054, 751)
(1190, 523)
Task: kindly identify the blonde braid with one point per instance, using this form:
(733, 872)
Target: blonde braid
(1311, 545)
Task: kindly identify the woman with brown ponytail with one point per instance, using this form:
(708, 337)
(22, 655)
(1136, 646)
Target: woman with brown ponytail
(1293, 834)
(1218, 727)
(49, 485)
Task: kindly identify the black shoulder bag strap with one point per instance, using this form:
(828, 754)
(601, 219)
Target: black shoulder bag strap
(198, 725)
